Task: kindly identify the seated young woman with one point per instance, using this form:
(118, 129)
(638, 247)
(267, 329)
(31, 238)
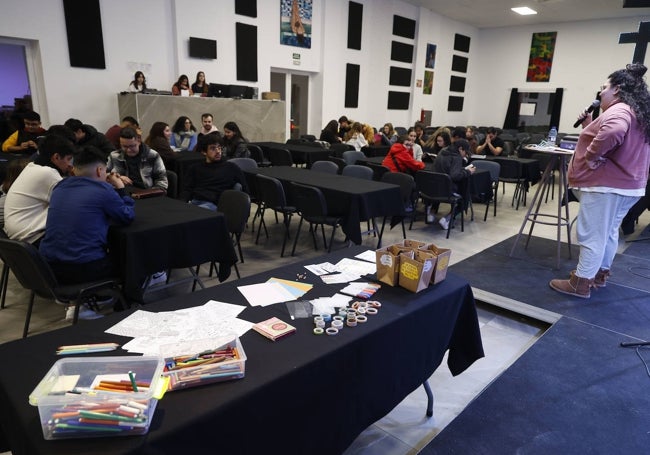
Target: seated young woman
(400, 157)
(184, 134)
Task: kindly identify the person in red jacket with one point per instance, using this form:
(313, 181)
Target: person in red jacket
(400, 158)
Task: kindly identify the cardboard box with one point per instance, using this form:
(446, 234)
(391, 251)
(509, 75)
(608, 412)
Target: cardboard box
(415, 270)
(388, 259)
(442, 256)
(270, 95)
(71, 403)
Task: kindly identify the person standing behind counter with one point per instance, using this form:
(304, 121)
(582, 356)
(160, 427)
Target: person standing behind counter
(608, 173)
(139, 83)
(200, 86)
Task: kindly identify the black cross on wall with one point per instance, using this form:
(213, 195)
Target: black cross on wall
(640, 38)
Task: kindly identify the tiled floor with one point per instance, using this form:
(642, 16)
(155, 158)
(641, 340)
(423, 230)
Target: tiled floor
(406, 429)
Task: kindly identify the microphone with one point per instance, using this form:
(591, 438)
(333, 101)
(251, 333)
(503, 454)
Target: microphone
(595, 104)
(628, 344)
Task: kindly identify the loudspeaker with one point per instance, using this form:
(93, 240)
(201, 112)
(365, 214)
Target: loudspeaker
(459, 64)
(401, 52)
(83, 23)
(352, 85)
(246, 45)
(398, 100)
(355, 21)
(457, 84)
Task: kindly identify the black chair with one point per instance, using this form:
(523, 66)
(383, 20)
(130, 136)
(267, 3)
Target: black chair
(338, 149)
(435, 187)
(280, 157)
(326, 167)
(400, 130)
(34, 273)
(312, 207)
(308, 137)
(352, 156)
(494, 169)
(357, 171)
(408, 193)
(245, 164)
(236, 207)
(378, 170)
(172, 184)
(340, 162)
(272, 197)
(258, 155)
(512, 172)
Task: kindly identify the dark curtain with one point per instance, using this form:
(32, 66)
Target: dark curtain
(512, 116)
(557, 107)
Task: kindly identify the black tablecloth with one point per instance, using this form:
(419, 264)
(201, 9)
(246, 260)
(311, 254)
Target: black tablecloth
(169, 234)
(182, 162)
(352, 198)
(302, 394)
(300, 154)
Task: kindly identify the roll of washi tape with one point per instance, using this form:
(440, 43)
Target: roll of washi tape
(355, 305)
(327, 317)
(352, 322)
(338, 325)
(338, 318)
(372, 310)
(318, 319)
(332, 331)
(343, 312)
(374, 303)
(363, 305)
(361, 310)
(320, 324)
(318, 331)
(362, 318)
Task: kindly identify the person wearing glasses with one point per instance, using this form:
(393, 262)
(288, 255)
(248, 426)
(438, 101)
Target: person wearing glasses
(24, 140)
(136, 164)
(608, 174)
(204, 182)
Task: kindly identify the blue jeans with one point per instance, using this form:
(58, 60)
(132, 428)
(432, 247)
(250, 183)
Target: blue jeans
(205, 204)
(599, 218)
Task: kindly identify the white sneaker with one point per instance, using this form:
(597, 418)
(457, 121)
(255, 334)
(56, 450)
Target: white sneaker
(444, 223)
(84, 313)
(157, 278)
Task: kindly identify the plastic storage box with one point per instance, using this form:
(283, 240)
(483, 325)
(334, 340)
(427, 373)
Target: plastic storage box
(94, 396)
(215, 364)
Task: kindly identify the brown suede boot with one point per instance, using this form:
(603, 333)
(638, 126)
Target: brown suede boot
(579, 287)
(600, 281)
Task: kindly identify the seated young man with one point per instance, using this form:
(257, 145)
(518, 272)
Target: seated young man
(24, 140)
(81, 209)
(136, 164)
(204, 182)
(86, 135)
(28, 198)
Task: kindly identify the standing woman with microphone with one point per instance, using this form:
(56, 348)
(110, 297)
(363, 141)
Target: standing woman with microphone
(608, 174)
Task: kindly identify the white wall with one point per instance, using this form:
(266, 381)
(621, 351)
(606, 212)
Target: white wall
(154, 34)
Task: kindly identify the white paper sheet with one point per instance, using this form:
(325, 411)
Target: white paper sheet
(264, 294)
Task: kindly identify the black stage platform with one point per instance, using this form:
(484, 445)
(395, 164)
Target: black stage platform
(576, 390)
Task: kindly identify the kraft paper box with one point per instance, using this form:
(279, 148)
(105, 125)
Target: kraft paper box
(415, 272)
(388, 260)
(442, 256)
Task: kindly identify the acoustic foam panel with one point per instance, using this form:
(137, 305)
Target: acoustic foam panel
(401, 52)
(246, 8)
(400, 76)
(83, 23)
(461, 43)
(355, 20)
(455, 104)
(246, 45)
(459, 64)
(403, 26)
(457, 84)
(352, 85)
(398, 100)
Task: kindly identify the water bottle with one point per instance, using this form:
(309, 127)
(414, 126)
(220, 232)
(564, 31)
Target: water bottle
(552, 135)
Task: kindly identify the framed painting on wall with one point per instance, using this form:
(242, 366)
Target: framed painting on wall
(427, 89)
(431, 56)
(540, 62)
(295, 23)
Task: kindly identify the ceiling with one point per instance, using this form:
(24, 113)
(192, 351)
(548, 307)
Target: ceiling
(496, 13)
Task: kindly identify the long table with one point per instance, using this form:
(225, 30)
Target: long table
(301, 154)
(301, 394)
(168, 234)
(352, 198)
